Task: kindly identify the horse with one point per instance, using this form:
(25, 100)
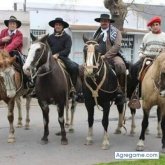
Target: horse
(52, 83)
(100, 87)
(134, 88)
(153, 93)
(11, 89)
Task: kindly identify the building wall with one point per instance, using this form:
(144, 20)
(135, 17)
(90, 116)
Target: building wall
(24, 17)
(83, 15)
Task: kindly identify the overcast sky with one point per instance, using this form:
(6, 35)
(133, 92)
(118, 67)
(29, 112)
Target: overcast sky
(8, 4)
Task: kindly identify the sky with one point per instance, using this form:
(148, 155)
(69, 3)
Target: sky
(8, 4)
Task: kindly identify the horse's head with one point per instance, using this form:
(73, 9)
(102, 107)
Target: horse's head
(5, 60)
(92, 57)
(37, 54)
(7, 73)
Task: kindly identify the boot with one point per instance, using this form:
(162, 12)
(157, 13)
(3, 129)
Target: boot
(121, 93)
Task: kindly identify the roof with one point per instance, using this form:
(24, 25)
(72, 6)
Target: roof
(148, 11)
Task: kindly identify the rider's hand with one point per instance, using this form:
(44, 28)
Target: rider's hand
(55, 56)
(103, 57)
(6, 39)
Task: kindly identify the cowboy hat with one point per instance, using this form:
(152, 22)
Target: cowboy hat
(153, 20)
(104, 16)
(58, 20)
(13, 19)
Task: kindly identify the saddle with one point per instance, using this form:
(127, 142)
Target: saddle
(146, 64)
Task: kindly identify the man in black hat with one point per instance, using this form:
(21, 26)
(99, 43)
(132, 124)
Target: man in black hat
(109, 39)
(60, 43)
(11, 39)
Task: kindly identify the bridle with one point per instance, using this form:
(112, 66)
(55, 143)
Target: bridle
(99, 65)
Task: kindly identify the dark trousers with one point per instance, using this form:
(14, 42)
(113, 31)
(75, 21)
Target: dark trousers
(72, 68)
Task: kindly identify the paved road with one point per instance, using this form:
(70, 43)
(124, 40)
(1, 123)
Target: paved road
(28, 150)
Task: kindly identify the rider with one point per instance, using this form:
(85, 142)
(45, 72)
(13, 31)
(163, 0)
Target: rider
(60, 43)
(109, 39)
(11, 39)
(153, 42)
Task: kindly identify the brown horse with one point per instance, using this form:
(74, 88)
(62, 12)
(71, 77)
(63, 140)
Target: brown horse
(10, 91)
(153, 93)
(52, 83)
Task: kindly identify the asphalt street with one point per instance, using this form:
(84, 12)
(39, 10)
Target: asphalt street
(28, 150)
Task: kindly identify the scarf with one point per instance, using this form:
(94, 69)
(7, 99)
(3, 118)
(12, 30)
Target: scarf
(112, 33)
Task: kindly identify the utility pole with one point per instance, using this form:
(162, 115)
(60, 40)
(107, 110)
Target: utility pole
(24, 6)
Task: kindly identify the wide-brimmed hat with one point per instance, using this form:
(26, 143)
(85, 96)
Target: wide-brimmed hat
(104, 16)
(58, 20)
(153, 20)
(13, 19)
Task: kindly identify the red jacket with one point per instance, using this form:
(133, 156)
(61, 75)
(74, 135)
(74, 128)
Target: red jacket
(16, 42)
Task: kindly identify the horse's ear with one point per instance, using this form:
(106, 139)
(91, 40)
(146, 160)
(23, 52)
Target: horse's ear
(33, 37)
(85, 39)
(44, 38)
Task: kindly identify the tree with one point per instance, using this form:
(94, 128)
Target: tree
(118, 11)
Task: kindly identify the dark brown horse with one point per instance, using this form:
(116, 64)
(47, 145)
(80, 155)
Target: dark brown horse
(11, 89)
(100, 87)
(52, 84)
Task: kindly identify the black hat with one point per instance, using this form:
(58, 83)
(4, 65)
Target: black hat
(58, 20)
(13, 19)
(104, 16)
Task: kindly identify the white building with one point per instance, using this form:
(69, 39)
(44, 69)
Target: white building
(81, 20)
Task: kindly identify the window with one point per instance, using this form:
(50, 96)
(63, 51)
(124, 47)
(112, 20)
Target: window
(38, 32)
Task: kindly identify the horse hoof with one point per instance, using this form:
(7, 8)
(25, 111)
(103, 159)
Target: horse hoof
(117, 131)
(19, 125)
(140, 148)
(64, 141)
(89, 142)
(132, 133)
(11, 140)
(163, 151)
(105, 147)
(27, 128)
(66, 125)
(43, 142)
(58, 133)
(159, 136)
(71, 130)
(147, 132)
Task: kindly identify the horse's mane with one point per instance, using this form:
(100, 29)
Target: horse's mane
(4, 54)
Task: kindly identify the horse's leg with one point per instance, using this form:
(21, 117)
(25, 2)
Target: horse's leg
(163, 133)
(159, 134)
(140, 144)
(11, 137)
(133, 125)
(120, 108)
(73, 107)
(67, 116)
(28, 100)
(18, 102)
(60, 108)
(105, 122)
(90, 110)
(45, 111)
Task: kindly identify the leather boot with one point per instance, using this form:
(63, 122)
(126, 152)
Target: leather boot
(121, 93)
